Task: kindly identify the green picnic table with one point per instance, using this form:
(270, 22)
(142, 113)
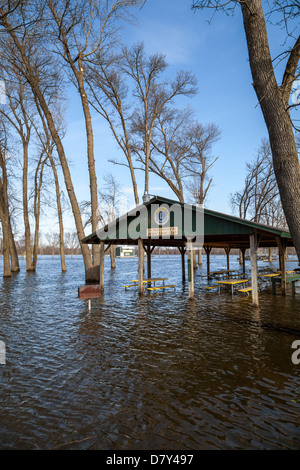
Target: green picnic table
(289, 278)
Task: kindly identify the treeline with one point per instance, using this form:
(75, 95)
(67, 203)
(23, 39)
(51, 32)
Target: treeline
(49, 245)
(51, 46)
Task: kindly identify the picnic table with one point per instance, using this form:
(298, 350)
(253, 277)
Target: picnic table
(224, 272)
(292, 277)
(150, 281)
(231, 283)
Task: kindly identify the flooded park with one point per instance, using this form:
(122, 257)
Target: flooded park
(159, 371)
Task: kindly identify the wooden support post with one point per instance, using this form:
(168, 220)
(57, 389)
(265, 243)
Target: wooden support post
(147, 249)
(102, 257)
(243, 251)
(191, 270)
(141, 266)
(208, 250)
(182, 252)
(282, 257)
(195, 265)
(227, 251)
(253, 257)
(89, 304)
(200, 257)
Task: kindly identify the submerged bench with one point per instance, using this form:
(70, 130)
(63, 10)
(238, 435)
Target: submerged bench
(211, 287)
(130, 285)
(247, 290)
(161, 287)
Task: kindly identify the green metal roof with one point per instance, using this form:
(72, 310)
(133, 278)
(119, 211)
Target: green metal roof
(219, 229)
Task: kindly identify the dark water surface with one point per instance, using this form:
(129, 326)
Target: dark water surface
(160, 372)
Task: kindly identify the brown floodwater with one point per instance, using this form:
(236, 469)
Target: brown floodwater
(158, 372)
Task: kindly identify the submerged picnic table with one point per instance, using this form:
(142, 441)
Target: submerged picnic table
(232, 283)
(151, 281)
(224, 272)
(290, 278)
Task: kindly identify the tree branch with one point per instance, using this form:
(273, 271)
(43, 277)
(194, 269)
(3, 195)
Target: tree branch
(290, 71)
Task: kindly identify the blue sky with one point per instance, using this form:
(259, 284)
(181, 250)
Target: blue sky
(216, 53)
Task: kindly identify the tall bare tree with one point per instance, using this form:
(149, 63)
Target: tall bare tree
(259, 199)
(273, 97)
(109, 97)
(19, 113)
(4, 211)
(153, 95)
(41, 71)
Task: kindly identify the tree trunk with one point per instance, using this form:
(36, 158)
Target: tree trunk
(33, 81)
(278, 121)
(60, 218)
(91, 159)
(14, 259)
(29, 263)
(37, 206)
(6, 251)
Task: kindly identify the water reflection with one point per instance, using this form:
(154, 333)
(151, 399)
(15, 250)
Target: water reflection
(157, 372)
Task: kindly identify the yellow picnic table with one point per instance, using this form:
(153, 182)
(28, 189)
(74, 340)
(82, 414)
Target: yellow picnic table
(231, 283)
(275, 274)
(154, 280)
(269, 275)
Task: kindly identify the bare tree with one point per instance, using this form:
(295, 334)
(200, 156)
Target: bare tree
(71, 242)
(18, 113)
(109, 97)
(48, 147)
(201, 159)
(84, 32)
(53, 242)
(153, 95)
(41, 71)
(171, 147)
(273, 97)
(109, 199)
(259, 199)
(4, 213)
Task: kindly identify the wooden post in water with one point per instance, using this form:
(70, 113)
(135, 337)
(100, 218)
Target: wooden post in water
(243, 251)
(102, 257)
(141, 266)
(208, 250)
(148, 251)
(200, 262)
(282, 256)
(253, 256)
(191, 270)
(227, 251)
(182, 252)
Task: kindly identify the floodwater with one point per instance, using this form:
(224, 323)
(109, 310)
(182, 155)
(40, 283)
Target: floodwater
(158, 372)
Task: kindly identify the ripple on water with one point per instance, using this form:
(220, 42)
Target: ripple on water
(160, 372)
